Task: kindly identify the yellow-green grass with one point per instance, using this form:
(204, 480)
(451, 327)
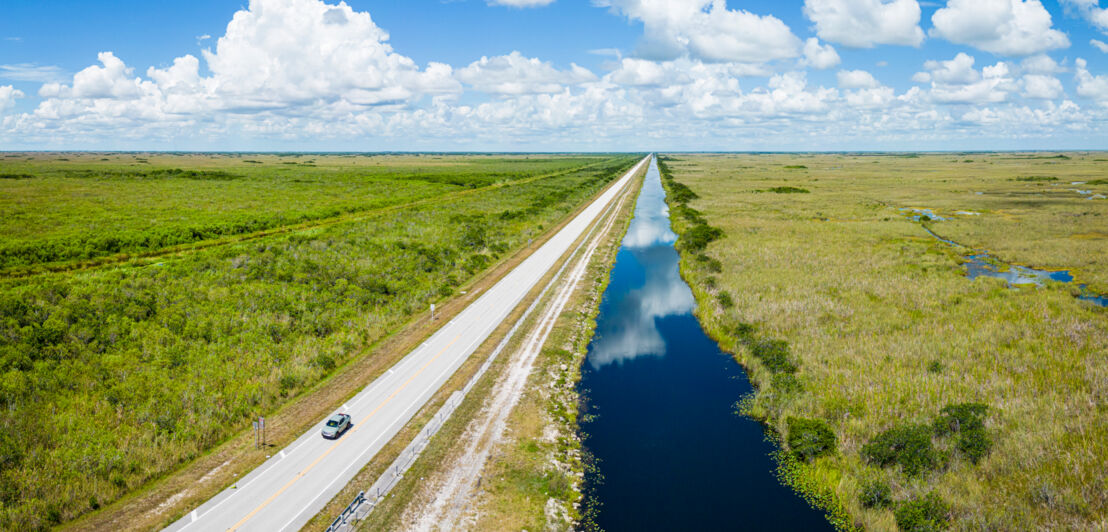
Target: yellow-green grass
(73, 207)
(112, 377)
(886, 329)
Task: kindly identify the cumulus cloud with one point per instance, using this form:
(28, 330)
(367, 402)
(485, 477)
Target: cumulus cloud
(516, 74)
(956, 81)
(1041, 87)
(1100, 45)
(8, 95)
(1041, 64)
(1090, 86)
(1091, 11)
(707, 30)
(819, 56)
(866, 23)
(1005, 27)
(856, 79)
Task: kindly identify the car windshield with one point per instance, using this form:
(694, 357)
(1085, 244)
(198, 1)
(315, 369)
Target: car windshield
(333, 422)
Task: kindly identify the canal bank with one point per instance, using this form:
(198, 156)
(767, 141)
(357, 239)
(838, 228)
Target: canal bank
(658, 416)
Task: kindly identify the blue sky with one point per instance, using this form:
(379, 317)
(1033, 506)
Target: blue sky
(554, 75)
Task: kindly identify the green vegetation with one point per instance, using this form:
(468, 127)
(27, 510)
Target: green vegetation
(908, 446)
(112, 376)
(809, 438)
(844, 310)
(925, 514)
(789, 190)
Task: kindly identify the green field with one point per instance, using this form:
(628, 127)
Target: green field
(849, 315)
(152, 304)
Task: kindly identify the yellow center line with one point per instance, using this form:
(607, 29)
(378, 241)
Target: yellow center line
(341, 440)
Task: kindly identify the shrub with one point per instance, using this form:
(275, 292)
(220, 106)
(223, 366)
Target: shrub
(935, 366)
(974, 443)
(788, 190)
(876, 494)
(926, 514)
(786, 383)
(809, 438)
(958, 417)
(725, 300)
(744, 332)
(907, 445)
(697, 237)
(775, 355)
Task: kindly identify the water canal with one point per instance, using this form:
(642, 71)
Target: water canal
(659, 395)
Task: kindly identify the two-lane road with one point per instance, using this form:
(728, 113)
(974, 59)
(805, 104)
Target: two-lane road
(296, 482)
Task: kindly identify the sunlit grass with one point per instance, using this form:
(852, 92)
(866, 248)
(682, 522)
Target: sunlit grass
(886, 329)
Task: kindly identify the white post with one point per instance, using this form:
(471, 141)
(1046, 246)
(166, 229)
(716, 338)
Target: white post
(432, 312)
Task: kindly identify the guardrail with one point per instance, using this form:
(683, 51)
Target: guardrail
(340, 521)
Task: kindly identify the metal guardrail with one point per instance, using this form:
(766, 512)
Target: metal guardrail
(340, 521)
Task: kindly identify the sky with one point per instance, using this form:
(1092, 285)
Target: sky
(553, 75)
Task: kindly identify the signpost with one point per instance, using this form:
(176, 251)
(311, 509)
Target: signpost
(432, 312)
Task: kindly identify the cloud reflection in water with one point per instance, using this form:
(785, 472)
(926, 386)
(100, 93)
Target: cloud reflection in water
(627, 327)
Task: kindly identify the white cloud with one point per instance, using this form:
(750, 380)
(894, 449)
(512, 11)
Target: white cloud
(8, 95)
(956, 81)
(819, 56)
(516, 74)
(1090, 86)
(1041, 64)
(1099, 45)
(707, 30)
(1041, 87)
(521, 3)
(1005, 27)
(31, 72)
(866, 23)
(956, 71)
(1091, 11)
(856, 79)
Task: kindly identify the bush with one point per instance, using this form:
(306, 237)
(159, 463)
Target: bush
(744, 332)
(775, 355)
(725, 300)
(974, 443)
(926, 514)
(809, 438)
(785, 383)
(955, 418)
(876, 494)
(697, 237)
(907, 445)
(788, 190)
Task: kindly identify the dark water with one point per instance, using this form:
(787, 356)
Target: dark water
(660, 395)
(983, 265)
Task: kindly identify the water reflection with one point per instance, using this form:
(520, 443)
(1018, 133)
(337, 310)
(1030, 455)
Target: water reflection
(657, 406)
(654, 290)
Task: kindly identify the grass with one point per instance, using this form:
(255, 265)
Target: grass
(141, 367)
(886, 333)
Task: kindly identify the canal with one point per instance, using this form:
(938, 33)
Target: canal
(659, 395)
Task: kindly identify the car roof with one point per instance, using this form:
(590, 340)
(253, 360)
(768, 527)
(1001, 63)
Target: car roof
(337, 417)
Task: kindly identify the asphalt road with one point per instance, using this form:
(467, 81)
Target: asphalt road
(299, 480)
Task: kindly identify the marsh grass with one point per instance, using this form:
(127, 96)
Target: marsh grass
(885, 330)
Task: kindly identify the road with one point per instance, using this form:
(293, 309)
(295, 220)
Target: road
(298, 481)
